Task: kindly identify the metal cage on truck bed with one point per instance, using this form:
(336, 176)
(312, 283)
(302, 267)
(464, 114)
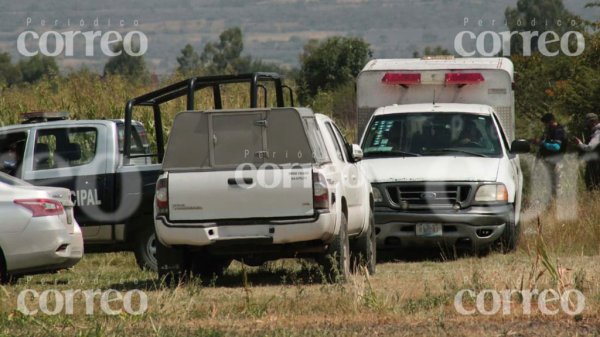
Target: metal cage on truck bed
(187, 88)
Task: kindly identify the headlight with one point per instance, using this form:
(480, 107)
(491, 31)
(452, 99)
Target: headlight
(377, 197)
(491, 193)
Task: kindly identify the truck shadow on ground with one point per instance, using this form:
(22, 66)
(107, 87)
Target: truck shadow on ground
(236, 277)
(231, 279)
(307, 274)
(435, 254)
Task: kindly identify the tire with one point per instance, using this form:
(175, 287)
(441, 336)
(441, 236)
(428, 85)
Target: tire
(510, 237)
(144, 248)
(336, 260)
(364, 252)
(4, 276)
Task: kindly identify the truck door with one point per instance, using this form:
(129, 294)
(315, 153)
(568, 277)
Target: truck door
(515, 166)
(74, 157)
(350, 179)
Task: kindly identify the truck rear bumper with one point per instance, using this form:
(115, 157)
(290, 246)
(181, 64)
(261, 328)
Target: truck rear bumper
(268, 232)
(474, 227)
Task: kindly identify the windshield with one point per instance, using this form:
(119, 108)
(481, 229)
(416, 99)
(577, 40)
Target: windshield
(12, 181)
(431, 134)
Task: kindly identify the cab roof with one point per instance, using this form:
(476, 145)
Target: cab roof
(476, 109)
(62, 123)
(480, 63)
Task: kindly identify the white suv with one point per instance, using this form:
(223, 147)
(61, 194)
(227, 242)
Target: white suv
(261, 184)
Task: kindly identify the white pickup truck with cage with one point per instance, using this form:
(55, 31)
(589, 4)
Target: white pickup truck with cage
(257, 185)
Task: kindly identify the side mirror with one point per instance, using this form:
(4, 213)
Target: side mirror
(519, 146)
(357, 153)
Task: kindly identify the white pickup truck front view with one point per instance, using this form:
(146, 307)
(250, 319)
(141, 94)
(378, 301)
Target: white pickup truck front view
(261, 184)
(437, 135)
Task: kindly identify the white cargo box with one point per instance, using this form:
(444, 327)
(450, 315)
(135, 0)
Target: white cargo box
(488, 81)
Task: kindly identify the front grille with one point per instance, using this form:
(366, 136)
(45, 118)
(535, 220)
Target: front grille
(421, 196)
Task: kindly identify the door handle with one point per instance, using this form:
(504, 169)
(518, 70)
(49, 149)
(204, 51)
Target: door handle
(240, 181)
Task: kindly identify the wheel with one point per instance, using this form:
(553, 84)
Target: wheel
(336, 260)
(145, 248)
(510, 237)
(4, 277)
(364, 252)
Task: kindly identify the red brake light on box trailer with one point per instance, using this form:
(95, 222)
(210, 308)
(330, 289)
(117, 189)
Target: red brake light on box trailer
(401, 78)
(464, 78)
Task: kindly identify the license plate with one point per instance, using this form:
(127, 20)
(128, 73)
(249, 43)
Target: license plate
(429, 229)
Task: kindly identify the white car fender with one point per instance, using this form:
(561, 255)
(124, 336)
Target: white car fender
(507, 177)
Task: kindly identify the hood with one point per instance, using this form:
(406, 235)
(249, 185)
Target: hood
(437, 168)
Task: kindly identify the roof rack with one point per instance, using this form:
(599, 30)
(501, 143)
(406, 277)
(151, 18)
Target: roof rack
(43, 116)
(187, 88)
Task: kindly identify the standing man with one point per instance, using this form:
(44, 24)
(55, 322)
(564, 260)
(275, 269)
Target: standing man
(591, 152)
(552, 148)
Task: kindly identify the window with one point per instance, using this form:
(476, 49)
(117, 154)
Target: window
(139, 141)
(342, 140)
(502, 135)
(432, 134)
(12, 150)
(64, 147)
(336, 142)
(316, 140)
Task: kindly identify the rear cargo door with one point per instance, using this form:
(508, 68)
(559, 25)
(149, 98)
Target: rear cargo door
(239, 165)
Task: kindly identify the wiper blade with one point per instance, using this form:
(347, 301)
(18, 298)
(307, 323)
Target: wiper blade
(391, 153)
(460, 151)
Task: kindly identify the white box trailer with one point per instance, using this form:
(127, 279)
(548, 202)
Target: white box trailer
(487, 81)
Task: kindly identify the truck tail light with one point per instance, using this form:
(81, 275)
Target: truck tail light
(162, 196)
(463, 78)
(320, 192)
(41, 207)
(401, 78)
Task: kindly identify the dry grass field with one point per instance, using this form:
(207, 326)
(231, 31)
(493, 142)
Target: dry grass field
(412, 294)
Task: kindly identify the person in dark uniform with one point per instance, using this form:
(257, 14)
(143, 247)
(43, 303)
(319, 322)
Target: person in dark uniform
(11, 163)
(552, 148)
(591, 152)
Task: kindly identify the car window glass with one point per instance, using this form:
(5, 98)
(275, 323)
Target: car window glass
(432, 134)
(316, 140)
(502, 135)
(336, 143)
(12, 150)
(64, 147)
(342, 139)
(139, 144)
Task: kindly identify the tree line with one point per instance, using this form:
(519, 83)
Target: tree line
(569, 87)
